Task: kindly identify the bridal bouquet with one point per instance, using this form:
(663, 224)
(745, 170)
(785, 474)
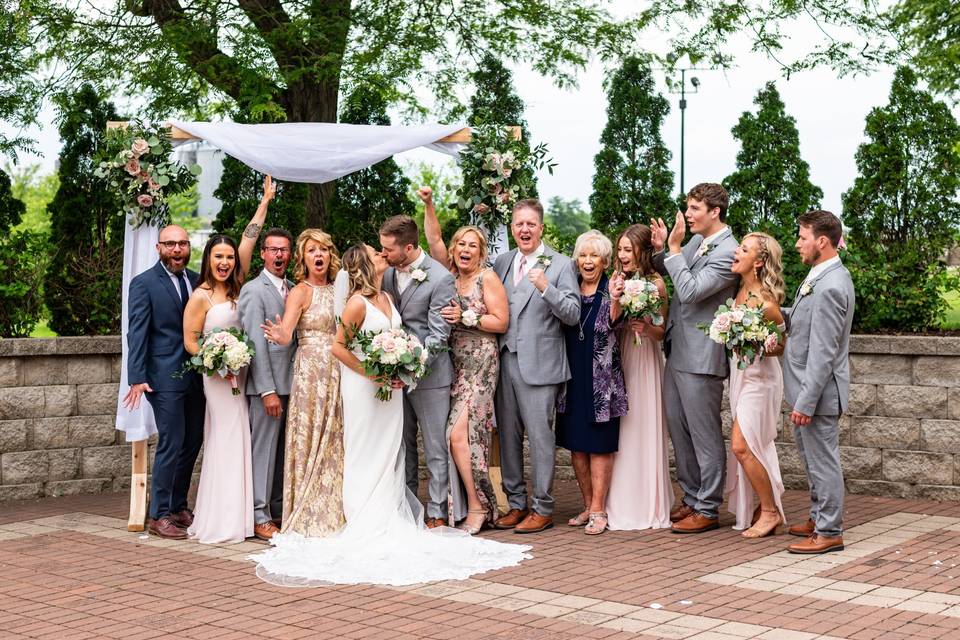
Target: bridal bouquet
(641, 300)
(223, 352)
(743, 331)
(388, 355)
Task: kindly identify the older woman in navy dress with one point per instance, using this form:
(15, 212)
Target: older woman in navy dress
(588, 412)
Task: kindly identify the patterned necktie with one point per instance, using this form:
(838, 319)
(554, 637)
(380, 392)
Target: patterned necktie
(521, 271)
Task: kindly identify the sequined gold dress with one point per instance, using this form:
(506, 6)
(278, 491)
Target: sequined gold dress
(313, 463)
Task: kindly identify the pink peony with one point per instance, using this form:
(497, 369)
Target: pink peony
(389, 345)
(145, 200)
(771, 342)
(722, 322)
(132, 167)
(139, 147)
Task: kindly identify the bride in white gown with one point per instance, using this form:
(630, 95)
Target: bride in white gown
(384, 540)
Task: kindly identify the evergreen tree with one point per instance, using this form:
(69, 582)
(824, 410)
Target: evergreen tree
(365, 198)
(82, 285)
(903, 210)
(771, 184)
(23, 259)
(632, 182)
(565, 220)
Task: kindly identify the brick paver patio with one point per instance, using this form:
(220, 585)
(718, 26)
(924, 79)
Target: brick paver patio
(71, 570)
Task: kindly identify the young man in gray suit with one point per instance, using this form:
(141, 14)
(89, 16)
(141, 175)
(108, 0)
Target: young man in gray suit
(816, 376)
(696, 366)
(421, 287)
(543, 295)
(269, 380)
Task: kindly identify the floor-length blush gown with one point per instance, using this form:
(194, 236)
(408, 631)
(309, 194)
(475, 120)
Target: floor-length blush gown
(384, 540)
(641, 493)
(224, 509)
(756, 395)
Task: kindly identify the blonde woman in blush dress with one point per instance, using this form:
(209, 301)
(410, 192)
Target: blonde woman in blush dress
(756, 396)
(313, 459)
(640, 489)
(476, 364)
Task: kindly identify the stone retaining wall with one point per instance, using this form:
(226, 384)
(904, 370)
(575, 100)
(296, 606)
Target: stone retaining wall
(902, 437)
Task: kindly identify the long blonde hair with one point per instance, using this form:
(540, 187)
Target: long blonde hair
(462, 231)
(324, 240)
(770, 274)
(361, 273)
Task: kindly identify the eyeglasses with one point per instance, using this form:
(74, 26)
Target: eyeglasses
(276, 250)
(173, 244)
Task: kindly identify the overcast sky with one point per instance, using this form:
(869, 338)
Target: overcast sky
(829, 112)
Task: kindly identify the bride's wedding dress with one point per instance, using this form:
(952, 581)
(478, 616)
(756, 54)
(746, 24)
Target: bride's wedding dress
(384, 540)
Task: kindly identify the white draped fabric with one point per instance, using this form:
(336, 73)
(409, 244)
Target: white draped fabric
(139, 254)
(296, 152)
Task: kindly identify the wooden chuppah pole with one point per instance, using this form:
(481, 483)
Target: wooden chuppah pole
(139, 455)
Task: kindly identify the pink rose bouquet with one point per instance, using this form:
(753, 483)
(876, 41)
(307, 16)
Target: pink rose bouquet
(389, 355)
(744, 333)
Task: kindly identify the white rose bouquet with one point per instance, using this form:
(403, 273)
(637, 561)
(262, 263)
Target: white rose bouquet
(641, 300)
(223, 352)
(743, 331)
(388, 355)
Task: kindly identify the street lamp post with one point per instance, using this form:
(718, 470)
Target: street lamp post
(683, 109)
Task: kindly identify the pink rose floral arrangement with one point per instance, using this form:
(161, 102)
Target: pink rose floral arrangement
(390, 355)
(743, 331)
(136, 162)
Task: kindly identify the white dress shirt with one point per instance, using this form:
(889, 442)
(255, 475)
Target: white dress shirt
(176, 281)
(818, 269)
(531, 261)
(707, 241)
(405, 277)
(279, 283)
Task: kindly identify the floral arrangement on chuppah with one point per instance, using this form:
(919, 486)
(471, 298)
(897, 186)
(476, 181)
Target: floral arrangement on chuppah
(136, 163)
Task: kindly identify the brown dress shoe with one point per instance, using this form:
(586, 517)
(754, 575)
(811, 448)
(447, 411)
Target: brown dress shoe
(681, 512)
(804, 530)
(696, 523)
(165, 528)
(511, 519)
(182, 519)
(265, 530)
(433, 523)
(534, 523)
(817, 544)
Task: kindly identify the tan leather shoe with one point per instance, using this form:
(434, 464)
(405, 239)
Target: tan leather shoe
(696, 523)
(433, 523)
(534, 523)
(265, 530)
(817, 544)
(511, 519)
(804, 530)
(165, 528)
(681, 512)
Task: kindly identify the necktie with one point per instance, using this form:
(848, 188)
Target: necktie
(283, 290)
(182, 285)
(520, 272)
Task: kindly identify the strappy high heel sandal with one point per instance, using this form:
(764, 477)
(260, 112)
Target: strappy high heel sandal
(597, 523)
(475, 530)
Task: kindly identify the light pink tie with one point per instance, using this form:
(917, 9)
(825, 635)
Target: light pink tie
(520, 272)
(283, 290)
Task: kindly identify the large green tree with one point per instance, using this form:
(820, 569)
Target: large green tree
(771, 184)
(365, 198)
(930, 30)
(84, 277)
(632, 180)
(565, 220)
(903, 209)
(23, 259)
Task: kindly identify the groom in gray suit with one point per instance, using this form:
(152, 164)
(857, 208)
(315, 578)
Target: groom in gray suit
(421, 287)
(816, 376)
(543, 294)
(269, 380)
(696, 366)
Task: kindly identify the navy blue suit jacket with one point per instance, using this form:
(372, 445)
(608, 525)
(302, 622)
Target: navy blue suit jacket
(155, 348)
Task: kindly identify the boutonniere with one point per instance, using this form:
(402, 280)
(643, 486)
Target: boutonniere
(543, 261)
(806, 289)
(705, 248)
(419, 275)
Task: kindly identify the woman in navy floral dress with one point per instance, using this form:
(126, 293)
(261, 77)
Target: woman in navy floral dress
(589, 410)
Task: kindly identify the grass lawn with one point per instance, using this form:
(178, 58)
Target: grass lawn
(952, 319)
(42, 331)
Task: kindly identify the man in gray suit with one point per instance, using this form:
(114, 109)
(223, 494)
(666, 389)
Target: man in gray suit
(696, 366)
(421, 287)
(269, 379)
(816, 376)
(543, 295)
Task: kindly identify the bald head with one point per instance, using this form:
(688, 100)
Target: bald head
(173, 245)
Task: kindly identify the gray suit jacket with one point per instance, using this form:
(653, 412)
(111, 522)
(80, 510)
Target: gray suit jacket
(272, 366)
(536, 319)
(700, 285)
(419, 307)
(816, 362)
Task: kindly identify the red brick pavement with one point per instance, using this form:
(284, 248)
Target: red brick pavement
(70, 584)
